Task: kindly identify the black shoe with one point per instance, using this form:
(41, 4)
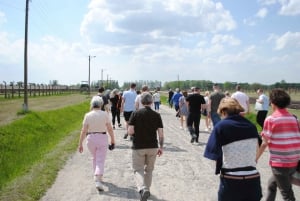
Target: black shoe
(125, 136)
(145, 194)
(114, 127)
(120, 125)
(192, 140)
(196, 140)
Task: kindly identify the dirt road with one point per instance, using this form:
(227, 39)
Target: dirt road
(181, 173)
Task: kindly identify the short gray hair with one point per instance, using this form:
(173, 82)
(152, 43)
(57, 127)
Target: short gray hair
(146, 98)
(96, 102)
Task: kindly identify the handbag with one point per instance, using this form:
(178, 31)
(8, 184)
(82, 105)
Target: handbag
(295, 178)
(258, 106)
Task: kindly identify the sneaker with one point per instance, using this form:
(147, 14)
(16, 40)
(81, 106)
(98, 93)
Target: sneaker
(125, 136)
(99, 186)
(145, 194)
(206, 129)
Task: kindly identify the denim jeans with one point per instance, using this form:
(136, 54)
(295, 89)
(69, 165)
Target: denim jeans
(215, 118)
(281, 178)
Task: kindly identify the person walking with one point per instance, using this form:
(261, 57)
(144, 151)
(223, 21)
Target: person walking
(104, 98)
(206, 111)
(183, 110)
(195, 103)
(170, 93)
(214, 101)
(128, 104)
(242, 98)
(281, 134)
(146, 128)
(95, 126)
(138, 103)
(115, 100)
(175, 101)
(156, 99)
(235, 154)
(262, 107)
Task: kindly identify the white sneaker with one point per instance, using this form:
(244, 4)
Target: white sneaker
(206, 129)
(181, 127)
(99, 186)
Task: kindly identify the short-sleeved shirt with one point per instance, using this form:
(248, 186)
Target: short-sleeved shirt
(265, 102)
(233, 143)
(282, 132)
(145, 122)
(195, 101)
(242, 98)
(129, 100)
(96, 120)
(215, 99)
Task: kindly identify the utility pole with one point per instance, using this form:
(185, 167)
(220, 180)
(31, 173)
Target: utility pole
(90, 73)
(25, 104)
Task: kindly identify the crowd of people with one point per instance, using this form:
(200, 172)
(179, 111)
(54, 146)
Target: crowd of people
(234, 142)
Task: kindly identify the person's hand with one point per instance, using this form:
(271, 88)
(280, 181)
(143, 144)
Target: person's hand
(159, 152)
(80, 148)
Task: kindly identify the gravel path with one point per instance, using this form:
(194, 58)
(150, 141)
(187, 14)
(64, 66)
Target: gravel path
(181, 173)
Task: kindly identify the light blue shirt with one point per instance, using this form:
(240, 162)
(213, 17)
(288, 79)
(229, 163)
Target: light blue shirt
(265, 102)
(129, 100)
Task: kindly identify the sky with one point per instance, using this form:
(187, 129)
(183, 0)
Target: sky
(253, 41)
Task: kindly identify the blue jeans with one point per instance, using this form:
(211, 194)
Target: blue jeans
(215, 118)
(281, 178)
(239, 190)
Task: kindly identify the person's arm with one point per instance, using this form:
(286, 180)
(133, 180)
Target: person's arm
(122, 104)
(262, 148)
(248, 106)
(160, 141)
(110, 132)
(130, 130)
(82, 137)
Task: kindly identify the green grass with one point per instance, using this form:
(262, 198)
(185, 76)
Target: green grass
(34, 148)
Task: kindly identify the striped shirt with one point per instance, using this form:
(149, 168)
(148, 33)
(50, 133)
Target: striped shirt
(283, 135)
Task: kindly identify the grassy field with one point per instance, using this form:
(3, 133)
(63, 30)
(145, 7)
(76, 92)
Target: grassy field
(33, 148)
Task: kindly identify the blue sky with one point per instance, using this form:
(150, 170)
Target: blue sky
(254, 41)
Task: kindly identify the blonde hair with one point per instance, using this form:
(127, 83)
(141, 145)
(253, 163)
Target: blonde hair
(229, 106)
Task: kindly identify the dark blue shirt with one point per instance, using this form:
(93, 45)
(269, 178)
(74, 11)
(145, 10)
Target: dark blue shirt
(229, 130)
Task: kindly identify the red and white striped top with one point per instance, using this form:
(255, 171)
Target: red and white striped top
(282, 132)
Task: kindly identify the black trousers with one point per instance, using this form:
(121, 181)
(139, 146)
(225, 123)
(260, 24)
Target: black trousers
(193, 123)
(260, 117)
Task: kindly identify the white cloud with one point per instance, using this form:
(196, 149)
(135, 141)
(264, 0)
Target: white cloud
(290, 7)
(288, 40)
(228, 39)
(152, 21)
(262, 13)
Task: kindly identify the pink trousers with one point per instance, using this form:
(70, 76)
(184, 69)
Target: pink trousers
(97, 145)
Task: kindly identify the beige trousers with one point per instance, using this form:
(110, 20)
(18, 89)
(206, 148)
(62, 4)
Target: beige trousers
(143, 161)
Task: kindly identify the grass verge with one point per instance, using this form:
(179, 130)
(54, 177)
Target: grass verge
(34, 148)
